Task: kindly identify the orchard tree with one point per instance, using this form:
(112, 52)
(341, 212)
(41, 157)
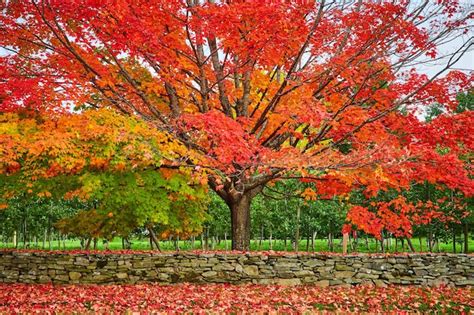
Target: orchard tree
(258, 90)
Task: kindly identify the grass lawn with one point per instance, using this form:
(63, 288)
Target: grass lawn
(320, 245)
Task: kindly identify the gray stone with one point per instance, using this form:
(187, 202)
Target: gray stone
(313, 263)
(251, 270)
(288, 281)
(322, 283)
(74, 275)
(209, 274)
(121, 275)
(343, 274)
(320, 269)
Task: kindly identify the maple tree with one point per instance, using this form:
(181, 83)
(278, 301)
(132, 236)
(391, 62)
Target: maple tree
(129, 173)
(258, 91)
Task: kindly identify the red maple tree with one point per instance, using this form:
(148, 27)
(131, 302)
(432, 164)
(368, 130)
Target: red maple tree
(260, 90)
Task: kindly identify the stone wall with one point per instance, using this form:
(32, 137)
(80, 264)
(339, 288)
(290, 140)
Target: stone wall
(323, 270)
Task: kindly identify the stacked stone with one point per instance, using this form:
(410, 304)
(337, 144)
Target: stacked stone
(285, 269)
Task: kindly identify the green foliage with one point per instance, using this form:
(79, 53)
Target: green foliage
(466, 101)
(129, 200)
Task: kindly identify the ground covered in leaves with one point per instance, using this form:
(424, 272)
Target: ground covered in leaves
(225, 298)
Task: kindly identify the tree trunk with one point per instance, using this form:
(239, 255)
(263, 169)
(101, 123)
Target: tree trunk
(240, 222)
(466, 238)
(50, 246)
(297, 232)
(454, 241)
(154, 238)
(410, 245)
(271, 240)
(88, 244)
(330, 242)
(345, 240)
(225, 240)
(176, 243)
(206, 240)
(430, 239)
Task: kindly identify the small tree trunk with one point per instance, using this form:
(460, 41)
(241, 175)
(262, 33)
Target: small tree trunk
(176, 243)
(410, 245)
(421, 244)
(88, 244)
(454, 241)
(225, 241)
(313, 240)
(15, 243)
(345, 240)
(430, 240)
(330, 242)
(213, 242)
(382, 243)
(308, 237)
(50, 239)
(25, 235)
(206, 240)
(261, 237)
(297, 232)
(466, 238)
(271, 240)
(155, 239)
(202, 241)
(44, 238)
(396, 244)
(284, 242)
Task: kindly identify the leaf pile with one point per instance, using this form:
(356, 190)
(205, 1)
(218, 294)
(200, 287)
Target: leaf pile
(226, 298)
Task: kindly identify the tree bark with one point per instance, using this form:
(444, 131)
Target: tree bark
(466, 238)
(297, 231)
(345, 240)
(454, 241)
(271, 240)
(225, 240)
(412, 248)
(240, 222)
(153, 239)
